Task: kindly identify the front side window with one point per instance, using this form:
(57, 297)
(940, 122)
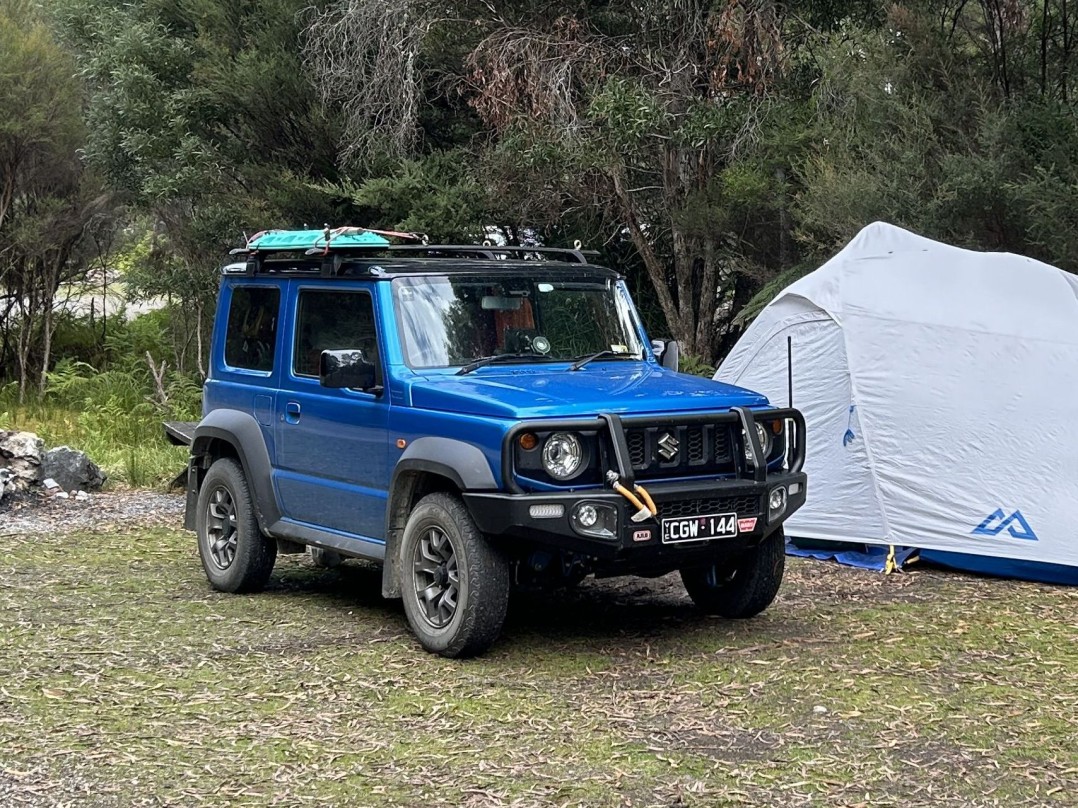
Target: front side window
(251, 333)
(452, 321)
(330, 320)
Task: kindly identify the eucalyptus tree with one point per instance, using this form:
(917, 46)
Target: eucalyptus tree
(199, 113)
(647, 113)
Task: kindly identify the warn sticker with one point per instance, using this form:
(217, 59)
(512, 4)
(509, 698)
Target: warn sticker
(746, 525)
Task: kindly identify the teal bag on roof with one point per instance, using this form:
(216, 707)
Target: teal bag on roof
(312, 239)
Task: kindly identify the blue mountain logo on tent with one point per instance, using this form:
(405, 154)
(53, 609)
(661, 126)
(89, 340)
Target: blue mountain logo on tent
(849, 437)
(1015, 524)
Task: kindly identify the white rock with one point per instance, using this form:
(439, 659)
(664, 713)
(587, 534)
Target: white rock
(21, 453)
(819, 709)
(50, 483)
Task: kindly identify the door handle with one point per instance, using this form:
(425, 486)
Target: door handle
(291, 412)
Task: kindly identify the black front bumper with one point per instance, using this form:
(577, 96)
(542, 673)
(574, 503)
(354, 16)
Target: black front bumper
(510, 515)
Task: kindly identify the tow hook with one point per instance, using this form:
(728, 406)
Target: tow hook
(645, 509)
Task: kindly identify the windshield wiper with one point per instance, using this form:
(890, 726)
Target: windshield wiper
(483, 361)
(607, 354)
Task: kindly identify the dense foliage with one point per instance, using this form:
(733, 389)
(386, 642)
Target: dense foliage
(713, 149)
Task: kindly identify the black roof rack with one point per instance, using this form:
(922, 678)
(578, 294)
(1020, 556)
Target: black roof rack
(334, 257)
(574, 254)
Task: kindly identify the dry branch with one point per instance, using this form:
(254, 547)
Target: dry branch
(362, 55)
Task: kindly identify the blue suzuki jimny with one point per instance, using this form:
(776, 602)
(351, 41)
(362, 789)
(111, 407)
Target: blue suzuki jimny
(474, 418)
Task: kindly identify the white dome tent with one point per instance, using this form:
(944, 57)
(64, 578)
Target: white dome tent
(940, 388)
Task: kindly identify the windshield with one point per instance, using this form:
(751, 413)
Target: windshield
(452, 321)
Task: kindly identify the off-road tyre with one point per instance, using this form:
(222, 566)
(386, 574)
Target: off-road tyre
(465, 579)
(743, 587)
(236, 555)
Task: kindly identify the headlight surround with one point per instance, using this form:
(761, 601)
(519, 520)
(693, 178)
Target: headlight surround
(765, 442)
(563, 456)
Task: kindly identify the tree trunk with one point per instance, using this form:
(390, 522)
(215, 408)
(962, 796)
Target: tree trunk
(22, 349)
(198, 335)
(655, 269)
(104, 304)
(46, 347)
(5, 339)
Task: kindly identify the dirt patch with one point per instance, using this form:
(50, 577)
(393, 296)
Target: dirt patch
(31, 514)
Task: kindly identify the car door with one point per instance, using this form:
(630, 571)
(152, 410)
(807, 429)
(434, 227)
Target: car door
(332, 450)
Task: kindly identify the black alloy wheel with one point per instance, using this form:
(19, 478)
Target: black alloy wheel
(436, 577)
(221, 527)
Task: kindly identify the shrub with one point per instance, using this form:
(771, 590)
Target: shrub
(112, 410)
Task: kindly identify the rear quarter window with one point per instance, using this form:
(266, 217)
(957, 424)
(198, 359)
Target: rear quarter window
(332, 320)
(251, 333)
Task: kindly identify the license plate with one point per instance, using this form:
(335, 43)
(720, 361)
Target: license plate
(700, 528)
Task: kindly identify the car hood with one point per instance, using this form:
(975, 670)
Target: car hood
(617, 387)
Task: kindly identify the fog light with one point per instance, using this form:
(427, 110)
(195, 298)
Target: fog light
(777, 500)
(546, 511)
(595, 519)
(587, 515)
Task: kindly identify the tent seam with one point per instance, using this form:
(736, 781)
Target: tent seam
(943, 326)
(866, 434)
(777, 331)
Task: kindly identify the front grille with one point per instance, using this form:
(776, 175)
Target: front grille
(637, 442)
(701, 450)
(694, 444)
(743, 506)
(722, 444)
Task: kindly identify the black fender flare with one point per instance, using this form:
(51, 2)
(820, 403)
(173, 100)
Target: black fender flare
(242, 432)
(464, 464)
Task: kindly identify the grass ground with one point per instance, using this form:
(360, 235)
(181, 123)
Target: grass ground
(124, 680)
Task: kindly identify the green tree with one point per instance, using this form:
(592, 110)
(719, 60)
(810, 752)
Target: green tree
(199, 112)
(49, 203)
(648, 114)
(922, 123)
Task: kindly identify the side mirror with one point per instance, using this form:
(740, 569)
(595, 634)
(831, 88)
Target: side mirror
(668, 351)
(347, 368)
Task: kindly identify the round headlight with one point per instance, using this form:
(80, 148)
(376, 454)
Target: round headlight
(765, 442)
(562, 455)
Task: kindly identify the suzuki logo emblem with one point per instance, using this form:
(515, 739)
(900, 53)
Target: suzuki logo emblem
(1015, 524)
(668, 446)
